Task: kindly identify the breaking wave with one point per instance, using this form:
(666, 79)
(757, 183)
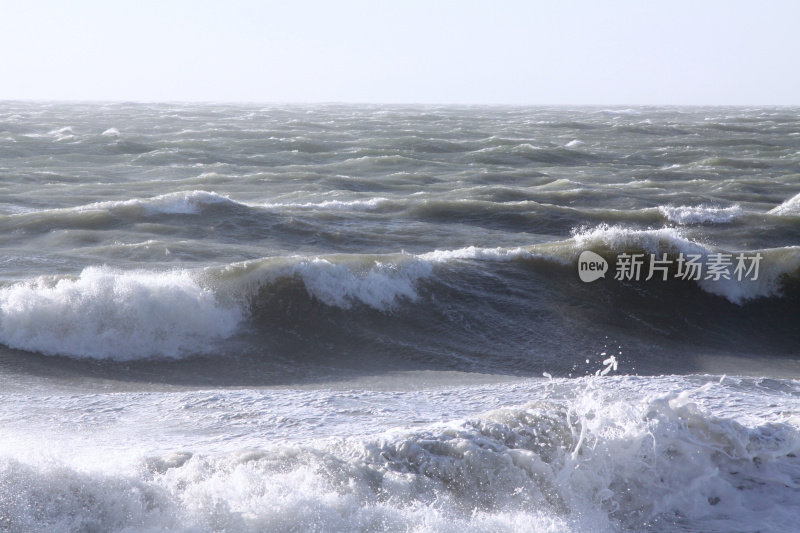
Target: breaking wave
(105, 313)
(593, 462)
(790, 207)
(776, 264)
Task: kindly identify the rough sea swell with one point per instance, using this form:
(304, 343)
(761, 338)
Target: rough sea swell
(366, 318)
(515, 310)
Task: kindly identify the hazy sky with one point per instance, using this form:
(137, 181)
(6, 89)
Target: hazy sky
(514, 52)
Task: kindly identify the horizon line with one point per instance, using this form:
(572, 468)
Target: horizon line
(146, 101)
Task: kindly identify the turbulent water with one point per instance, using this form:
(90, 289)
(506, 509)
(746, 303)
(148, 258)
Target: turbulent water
(372, 318)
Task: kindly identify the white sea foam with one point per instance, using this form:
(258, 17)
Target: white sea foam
(628, 111)
(62, 134)
(594, 454)
(700, 214)
(388, 280)
(175, 203)
(652, 240)
(379, 287)
(790, 207)
(384, 284)
(124, 315)
(108, 314)
(774, 263)
(473, 252)
(380, 284)
(354, 205)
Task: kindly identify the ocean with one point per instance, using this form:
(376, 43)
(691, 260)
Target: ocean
(399, 318)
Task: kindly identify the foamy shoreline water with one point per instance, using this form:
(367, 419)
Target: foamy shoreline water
(596, 453)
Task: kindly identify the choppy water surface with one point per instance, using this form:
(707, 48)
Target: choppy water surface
(338, 318)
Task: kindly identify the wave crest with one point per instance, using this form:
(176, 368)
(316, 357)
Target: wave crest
(790, 207)
(125, 315)
(776, 264)
(700, 214)
(175, 203)
(368, 204)
(107, 314)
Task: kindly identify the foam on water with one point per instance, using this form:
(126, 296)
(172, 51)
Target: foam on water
(775, 263)
(379, 287)
(700, 214)
(594, 454)
(104, 313)
(355, 205)
(124, 315)
(193, 202)
(790, 207)
(620, 238)
(62, 134)
(473, 252)
(293, 272)
(134, 314)
(176, 203)
(380, 282)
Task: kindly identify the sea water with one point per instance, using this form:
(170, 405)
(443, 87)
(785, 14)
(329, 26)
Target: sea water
(370, 318)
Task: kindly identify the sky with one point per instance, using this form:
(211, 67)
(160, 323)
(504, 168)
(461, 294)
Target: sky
(645, 52)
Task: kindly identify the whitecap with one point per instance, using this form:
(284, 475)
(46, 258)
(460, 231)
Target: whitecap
(790, 207)
(700, 214)
(367, 204)
(110, 314)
